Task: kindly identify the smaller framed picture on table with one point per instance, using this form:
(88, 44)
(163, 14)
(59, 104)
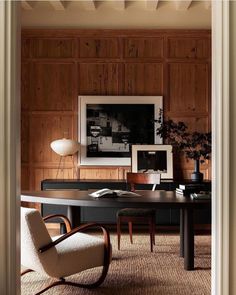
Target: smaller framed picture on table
(156, 158)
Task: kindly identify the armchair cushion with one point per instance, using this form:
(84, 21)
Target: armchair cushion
(77, 253)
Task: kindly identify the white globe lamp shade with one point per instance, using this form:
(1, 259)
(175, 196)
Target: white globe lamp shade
(65, 147)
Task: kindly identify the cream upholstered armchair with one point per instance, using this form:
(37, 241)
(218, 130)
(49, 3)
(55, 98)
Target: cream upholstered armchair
(64, 255)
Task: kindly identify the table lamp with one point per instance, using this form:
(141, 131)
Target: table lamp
(64, 148)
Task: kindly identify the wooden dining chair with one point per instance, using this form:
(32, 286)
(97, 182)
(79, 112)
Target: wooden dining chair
(139, 215)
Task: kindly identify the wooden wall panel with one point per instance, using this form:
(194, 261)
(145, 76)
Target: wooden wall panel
(189, 48)
(25, 48)
(99, 173)
(103, 173)
(188, 87)
(143, 79)
(43, 130)
(144, 48)
(25, 176)
(198, 123)
(38, 174)
(58, 65)
(25, 85)
(99, 47)
(25, 156)
(53, 48)
(53, 86)
(123, 172)
(99, 78)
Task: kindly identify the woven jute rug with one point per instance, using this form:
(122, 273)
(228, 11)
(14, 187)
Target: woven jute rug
(134, 270)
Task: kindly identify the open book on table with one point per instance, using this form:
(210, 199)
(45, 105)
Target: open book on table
(106, 192)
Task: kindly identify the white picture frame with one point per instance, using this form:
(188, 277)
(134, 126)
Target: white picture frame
(84, 101)
(140, 162)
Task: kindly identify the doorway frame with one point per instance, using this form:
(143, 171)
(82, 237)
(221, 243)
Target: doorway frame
(9, 147)
(220, 157)
(220, 147)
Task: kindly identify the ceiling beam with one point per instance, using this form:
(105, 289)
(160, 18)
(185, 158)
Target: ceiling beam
(57, 4)
(89, 4)
(119, 4)
(26, 5)
(182, 4)
(151, 4)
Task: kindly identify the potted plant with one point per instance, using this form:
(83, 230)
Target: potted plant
(195, 145)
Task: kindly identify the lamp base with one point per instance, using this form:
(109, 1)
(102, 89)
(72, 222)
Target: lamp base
(61, 167)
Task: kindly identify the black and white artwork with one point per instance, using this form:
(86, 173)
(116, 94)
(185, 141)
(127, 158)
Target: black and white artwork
(111, 125)
(152, 161)
(113, 128)
(156, 158)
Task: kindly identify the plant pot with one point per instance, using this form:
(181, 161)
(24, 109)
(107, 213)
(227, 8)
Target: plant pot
(197, 175)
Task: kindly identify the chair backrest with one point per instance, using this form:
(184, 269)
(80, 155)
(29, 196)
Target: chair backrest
(143, 178)
(34, 235)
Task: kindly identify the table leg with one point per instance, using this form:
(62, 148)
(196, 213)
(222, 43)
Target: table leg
(73, 213)
(181, 232)
(188, 239)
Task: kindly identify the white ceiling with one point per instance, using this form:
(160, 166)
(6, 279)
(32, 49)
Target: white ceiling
(117, 14)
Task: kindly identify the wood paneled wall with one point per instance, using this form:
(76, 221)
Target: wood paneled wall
(59, 65)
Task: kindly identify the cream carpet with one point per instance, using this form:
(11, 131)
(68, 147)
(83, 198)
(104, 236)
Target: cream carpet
(136, 271)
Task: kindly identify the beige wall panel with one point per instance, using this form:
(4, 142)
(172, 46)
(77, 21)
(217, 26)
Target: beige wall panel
(99, 78)
(144, 47)
(43, 130)
(53, 86)
(53, 48)
(188, 87)
(99, 47)
(143, 79)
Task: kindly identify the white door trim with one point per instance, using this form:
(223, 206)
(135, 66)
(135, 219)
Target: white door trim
(9, 148)
(9, 138)
(221, 144)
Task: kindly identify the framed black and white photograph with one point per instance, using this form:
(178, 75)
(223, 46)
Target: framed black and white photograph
(110, 125)
(153, 159)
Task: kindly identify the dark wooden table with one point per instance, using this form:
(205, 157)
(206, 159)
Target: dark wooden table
(147, 199)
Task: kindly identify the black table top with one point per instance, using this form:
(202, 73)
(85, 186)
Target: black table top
(116, 180)
(147, 198)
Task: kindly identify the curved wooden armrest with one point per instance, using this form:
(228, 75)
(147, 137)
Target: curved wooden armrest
(63, 217)
(106, 237)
